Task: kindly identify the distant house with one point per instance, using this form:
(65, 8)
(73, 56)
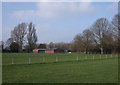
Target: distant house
(52, 50)
(39, 50)
(49, 51)
(58, 50)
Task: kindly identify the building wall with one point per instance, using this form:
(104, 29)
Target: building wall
(49, 51)
(35, 51)
(43, 51)
(58, 51)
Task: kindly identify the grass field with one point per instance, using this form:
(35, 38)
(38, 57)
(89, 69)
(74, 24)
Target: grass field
(70, 68)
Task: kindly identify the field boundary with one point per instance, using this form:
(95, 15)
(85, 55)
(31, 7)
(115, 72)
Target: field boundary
(53, 58)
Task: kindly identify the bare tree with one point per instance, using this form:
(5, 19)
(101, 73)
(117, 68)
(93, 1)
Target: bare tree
(116, 31)
(14, 47)
(87, 39)
(42, 46)
(115, 26)
(8, 42)
(51, 45)
(31, 37)
(1, 46)
(18, 34)
(78, 43)
(99, 29)
(84, 42)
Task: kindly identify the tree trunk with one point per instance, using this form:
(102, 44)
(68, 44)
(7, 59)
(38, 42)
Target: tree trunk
(101, 50)
(20, 48)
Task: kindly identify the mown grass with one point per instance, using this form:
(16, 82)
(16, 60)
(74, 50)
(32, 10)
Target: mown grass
(66, 70)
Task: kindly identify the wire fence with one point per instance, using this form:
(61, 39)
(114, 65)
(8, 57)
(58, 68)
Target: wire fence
(31, 58)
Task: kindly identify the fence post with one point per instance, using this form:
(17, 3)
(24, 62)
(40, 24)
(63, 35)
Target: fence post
(111, 55)
(56, 59)
(43, 59)
(12, 60)
(86, 57)
(93, 57)
(77, 58)
(100, 56)
(106, 56)
(29, 60)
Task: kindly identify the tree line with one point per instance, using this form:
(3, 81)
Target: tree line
(101, 37)
(23, 36)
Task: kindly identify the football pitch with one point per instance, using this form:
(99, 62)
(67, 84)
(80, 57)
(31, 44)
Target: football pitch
(59, 68)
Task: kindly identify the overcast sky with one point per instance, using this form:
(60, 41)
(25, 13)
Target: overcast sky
(55, 21)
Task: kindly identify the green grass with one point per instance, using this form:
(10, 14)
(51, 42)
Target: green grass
(66, 70)
(23, 58)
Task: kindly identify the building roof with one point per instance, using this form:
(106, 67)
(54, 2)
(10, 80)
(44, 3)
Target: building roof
(47, 49)
(39, 49)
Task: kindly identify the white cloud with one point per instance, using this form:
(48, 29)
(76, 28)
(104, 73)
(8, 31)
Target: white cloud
(86, 7)
(50, 10)
(24, 15)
